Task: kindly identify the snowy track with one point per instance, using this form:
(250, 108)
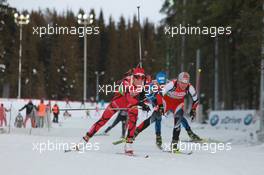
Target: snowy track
(18, 156)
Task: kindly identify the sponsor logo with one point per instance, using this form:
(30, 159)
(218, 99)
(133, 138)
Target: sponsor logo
(235, 119)
(176, 95)
(248, 119)
(232, 120)
(214, 120)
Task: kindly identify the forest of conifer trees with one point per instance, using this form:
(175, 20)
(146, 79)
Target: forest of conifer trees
(52, 65)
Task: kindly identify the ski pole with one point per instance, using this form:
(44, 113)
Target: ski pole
(87, 109)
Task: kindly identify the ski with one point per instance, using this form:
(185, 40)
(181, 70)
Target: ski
(69, 150)
(101, 134)
(178, 152)
(169, 151)
(75, 149)
(204, 140)
(132, 155)
(123, 140)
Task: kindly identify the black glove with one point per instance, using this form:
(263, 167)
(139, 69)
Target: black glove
(142, 96)
(145, 107)
(193, 114)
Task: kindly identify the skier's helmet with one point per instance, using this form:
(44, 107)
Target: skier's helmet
(139, 73)
(184, 77)
(161, 77)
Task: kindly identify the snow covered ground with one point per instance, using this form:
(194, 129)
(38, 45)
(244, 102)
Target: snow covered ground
(19, 154)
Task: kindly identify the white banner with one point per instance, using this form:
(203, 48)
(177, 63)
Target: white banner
(234, 119)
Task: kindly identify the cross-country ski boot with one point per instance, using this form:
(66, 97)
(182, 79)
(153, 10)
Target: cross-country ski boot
(80, 146)
(193, 136)
(86, 138)
(128, 147)
(158, 141)
(174, 147)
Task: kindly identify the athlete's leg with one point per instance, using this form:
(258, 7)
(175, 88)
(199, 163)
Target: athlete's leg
(158, 132)
(187, 127)
(185, 123)
(143, 125)
(158, 126)
(108, 113)
(116, 121)
(132, 121)
(177, 128)
(124, 123)
(154, 116)
(119, 102)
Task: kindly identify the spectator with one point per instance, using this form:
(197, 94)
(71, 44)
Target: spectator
(41, 114)
(56, 112)
(30, 114)
(3, 111)
(19, 121)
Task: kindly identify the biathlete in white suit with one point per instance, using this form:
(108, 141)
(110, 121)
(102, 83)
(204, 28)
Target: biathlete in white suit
(171, 98)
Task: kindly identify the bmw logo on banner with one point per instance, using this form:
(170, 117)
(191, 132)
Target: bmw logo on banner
(248, 119)
(214, 120)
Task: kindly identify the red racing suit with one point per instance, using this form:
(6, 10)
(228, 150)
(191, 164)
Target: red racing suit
(126, 97)
(173, 97)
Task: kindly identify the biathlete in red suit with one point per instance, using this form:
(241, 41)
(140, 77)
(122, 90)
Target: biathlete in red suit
(126, 97)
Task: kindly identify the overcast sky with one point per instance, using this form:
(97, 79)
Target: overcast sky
(116, 8)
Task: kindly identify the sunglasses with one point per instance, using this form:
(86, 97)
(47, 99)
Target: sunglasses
(183, 83)
(142, 77)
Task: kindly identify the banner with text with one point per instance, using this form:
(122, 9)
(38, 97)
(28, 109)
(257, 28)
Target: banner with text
(234, 119)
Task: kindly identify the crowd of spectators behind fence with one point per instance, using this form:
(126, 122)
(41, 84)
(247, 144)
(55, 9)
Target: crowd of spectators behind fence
(40, 115)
